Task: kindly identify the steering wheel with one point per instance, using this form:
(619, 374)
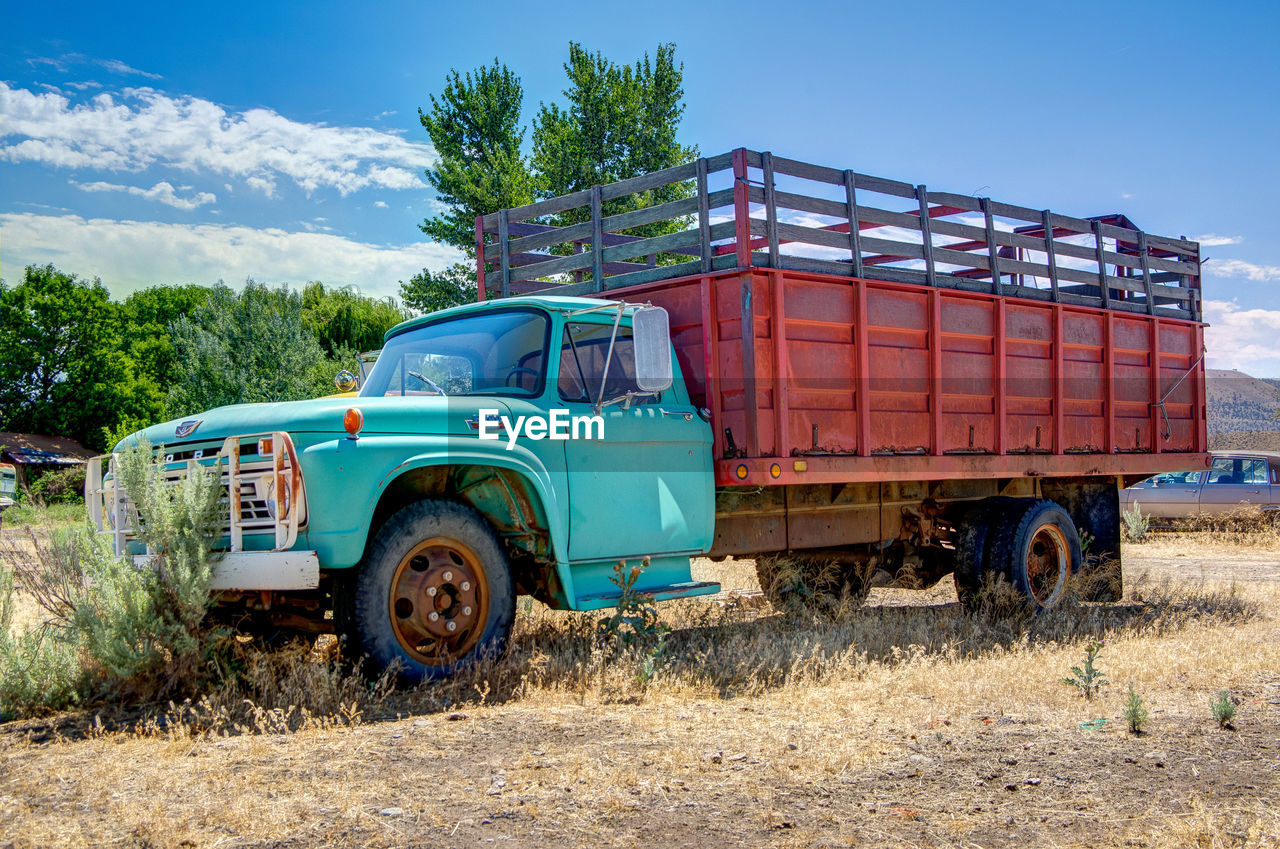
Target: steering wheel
(517, 370)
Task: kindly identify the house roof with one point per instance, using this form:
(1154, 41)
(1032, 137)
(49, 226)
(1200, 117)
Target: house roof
(35, 449)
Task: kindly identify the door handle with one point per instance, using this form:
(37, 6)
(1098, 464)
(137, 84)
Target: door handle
(678, 413)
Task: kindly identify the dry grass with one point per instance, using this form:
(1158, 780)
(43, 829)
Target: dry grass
(894, 723)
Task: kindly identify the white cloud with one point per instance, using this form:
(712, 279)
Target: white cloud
(115, 66)
(162, 192)
(1244, 339)
(141, 127)
(380, 204)
(129, 255)
(1213, 240)
(1240, 268)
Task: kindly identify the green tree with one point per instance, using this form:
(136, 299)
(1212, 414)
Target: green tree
(242, 347)
(474, 126)
(620, 121)
(63, 371)
(346, 322)
(148, 315)
(428, 291)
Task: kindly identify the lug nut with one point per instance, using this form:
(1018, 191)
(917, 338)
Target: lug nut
(431, 591)
(448, 576)
(466, 585)
(433, 616)
(466, 611)
(452, 626)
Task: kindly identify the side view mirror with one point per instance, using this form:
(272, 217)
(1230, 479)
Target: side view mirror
(346, 381)
(651, 335)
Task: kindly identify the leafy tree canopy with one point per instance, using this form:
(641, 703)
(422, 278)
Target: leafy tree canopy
(428, 291)
(475, 127)
(619, 121)
(63, 372)
(345, 322)
(246, 346)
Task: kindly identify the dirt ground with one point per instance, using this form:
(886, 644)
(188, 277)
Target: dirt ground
(923, 746)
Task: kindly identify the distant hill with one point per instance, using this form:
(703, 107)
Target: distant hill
(1238, 403)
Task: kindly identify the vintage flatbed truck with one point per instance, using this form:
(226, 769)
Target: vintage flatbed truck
(878, 378)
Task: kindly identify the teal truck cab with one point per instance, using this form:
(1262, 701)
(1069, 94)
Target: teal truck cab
(885, 383)
(522, 446)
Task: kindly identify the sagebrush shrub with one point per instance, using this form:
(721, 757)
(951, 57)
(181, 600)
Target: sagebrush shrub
(113, 627)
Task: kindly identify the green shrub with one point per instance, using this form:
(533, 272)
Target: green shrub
(61, 486)
(1223, 708)
(136, 632)
(1134, 524)
(1088, 678)
(1135, 711)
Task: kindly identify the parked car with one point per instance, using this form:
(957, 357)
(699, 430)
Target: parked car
(1233, 479)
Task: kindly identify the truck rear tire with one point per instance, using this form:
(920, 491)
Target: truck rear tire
(973, 547)
(1037, 547)
(433, 594)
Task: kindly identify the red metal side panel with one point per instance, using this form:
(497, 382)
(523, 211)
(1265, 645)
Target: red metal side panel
(1084, 393)
(1076, 389)
(1131, 352)
(969, 375)
(1028, 384)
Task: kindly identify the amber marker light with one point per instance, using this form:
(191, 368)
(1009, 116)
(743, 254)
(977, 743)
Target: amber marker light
(741, 471)
(775, 471)
(353, 421)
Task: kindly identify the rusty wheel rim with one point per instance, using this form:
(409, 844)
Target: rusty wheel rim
(1048, 557)
(439, 601)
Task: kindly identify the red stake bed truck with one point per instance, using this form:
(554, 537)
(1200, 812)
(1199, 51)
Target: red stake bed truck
(900, 381)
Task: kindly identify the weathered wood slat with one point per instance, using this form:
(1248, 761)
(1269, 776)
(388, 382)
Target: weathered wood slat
(650, 214)
(770, 208)
(1079, 226)
(906, 220)
(952, 199)
(885, 187)
(813, 236)
(1181, 246)
(704, 217)
(545, 239)
(963, 258)
(649, 275)
(652, 180)
(804, 203)
(1020, 213)
(654, 245)
(911, 250)
(551, 206)
(559, 265)
(807, 171)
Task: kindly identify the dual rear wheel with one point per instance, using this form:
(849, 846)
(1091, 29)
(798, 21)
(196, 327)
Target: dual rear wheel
(1034, 544)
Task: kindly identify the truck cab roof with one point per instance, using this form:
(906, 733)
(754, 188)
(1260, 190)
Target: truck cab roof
(551, 303)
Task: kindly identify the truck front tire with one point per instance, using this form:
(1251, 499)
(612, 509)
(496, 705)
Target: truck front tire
(433, 594)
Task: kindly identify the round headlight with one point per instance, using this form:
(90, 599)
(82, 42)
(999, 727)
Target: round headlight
(278, 508)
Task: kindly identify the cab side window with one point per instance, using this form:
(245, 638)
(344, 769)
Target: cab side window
(1235, 470)
(583, 352)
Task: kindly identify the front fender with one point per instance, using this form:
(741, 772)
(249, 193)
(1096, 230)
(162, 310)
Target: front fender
(346, 478)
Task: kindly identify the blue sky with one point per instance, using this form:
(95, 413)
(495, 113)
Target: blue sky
(196, 142)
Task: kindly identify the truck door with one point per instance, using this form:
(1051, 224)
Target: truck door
(1233, 482)
(646, 488)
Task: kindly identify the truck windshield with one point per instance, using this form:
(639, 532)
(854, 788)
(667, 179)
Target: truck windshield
(492, 353)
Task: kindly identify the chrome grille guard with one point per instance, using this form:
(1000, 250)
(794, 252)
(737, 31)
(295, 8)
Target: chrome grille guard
(249, 484)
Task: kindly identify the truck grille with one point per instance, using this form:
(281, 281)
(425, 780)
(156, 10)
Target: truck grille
(260, 475)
